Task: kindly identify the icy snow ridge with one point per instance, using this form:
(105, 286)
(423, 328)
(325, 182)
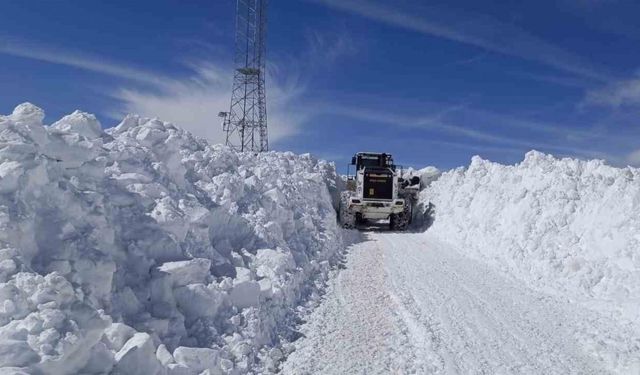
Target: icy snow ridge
(562, 225)
(144, 249)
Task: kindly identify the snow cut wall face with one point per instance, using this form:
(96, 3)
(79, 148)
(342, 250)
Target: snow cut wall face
(562, 224)
(143, 248)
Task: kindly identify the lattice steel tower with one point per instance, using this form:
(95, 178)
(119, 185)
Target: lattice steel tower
(246, 121)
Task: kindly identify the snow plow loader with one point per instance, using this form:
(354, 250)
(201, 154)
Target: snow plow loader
(377, 192)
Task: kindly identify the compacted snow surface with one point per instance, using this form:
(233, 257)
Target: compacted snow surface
(144, 250)
(409, 303)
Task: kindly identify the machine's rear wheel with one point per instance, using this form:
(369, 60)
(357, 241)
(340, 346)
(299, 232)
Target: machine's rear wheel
(401, 220)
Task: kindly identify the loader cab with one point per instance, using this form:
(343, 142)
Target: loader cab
(364, 160)
(373, 192)
(374, 176)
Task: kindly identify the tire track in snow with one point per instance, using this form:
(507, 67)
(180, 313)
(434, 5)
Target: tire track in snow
(488, 324)
(354, 330)
(409, 304)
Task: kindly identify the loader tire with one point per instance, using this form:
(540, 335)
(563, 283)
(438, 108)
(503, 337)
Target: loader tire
(401, 221)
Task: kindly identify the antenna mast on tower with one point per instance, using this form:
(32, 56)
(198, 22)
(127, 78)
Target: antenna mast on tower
(246, 121)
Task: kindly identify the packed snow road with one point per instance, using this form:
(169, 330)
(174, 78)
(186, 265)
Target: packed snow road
(408, 303)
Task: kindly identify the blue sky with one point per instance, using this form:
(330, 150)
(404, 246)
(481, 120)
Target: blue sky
(434, 82)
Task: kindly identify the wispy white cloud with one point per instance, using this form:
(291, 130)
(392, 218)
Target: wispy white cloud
(566, 81)
(327, 48)
(617, 94)
(194, 100)
(476, 30)
(634, 158)
(473, 59)
(194, 103)
(75, 59)
(558, 130)
(588, 4)
(483, 148)
(438, 123)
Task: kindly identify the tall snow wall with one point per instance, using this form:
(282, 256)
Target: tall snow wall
(563, 225)
(145, 250)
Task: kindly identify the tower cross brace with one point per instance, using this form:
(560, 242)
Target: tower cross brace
(246, 122)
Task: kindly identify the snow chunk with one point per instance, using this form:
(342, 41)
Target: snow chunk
(130, 121)
(16, 353)
(117, 334)
(186, 272)
(197, 359)
(10, 173)
(28, 114)
(428, 175)
(101, 360)
(164, 356)
(82, 123)
(196, 300)
(246, 291)
(273, 264)
(137, 356)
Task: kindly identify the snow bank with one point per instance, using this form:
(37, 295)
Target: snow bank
(563, 225)
(143, 249)
(427, 175)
